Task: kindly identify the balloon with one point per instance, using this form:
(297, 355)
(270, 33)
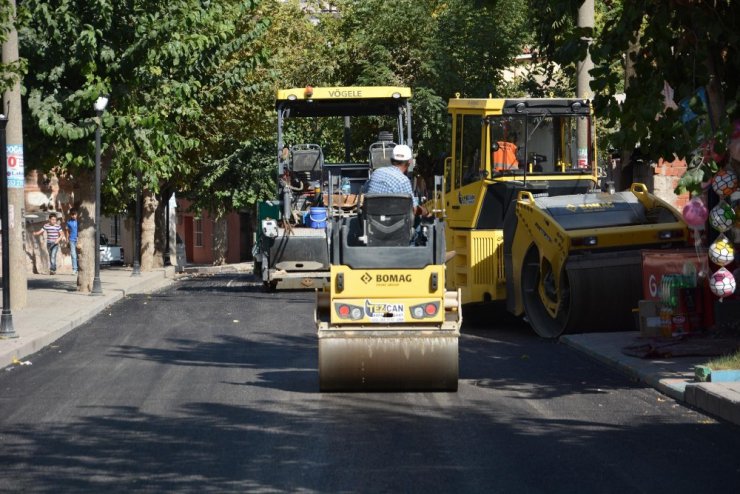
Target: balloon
(724, 182)
(722, 217)
(722, 283)
(695, 213)
(721, 252)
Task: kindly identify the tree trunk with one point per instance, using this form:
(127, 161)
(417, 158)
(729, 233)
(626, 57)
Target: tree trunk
(220, 240)
(624, 174)
(148, 228)
(715, 96)
(86, 230)
(160, 239)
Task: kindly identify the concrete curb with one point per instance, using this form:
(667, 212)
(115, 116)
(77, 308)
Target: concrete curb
(645, 372)
(715, 399)
(674, 380)
(664, 381)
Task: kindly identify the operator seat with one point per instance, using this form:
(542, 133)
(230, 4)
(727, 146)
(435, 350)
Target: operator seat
(307, 160)
(388, 220)
(380, 154)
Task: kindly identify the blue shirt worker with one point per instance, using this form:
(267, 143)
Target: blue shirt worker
(72, 237)
(393, 180)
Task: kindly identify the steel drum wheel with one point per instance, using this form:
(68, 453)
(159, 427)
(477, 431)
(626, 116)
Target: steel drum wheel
(587, 303)
(539, 318)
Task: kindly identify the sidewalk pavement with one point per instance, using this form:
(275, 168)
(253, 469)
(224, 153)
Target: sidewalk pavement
(673, 376)
(55, 308)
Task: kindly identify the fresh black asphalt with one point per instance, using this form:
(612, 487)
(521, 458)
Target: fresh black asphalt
(211, 386)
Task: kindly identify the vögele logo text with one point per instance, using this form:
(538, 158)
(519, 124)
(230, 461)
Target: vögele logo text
(338, 93)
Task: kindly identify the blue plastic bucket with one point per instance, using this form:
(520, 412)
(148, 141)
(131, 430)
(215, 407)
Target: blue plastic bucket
(317, 217)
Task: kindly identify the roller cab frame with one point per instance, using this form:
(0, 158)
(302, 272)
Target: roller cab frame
(531, 227)
(317, 151)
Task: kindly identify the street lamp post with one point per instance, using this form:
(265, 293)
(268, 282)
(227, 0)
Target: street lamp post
(6, 323)
(100, 105)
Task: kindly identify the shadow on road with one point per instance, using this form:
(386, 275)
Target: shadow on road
(272, 431)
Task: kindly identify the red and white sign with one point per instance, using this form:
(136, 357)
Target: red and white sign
(16, 174)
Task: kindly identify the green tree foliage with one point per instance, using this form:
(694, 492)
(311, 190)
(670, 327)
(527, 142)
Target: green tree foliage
(438, 48)
(10, 73)
(295, 52)
(165, 65)
(475, 42)
(192, 83)
(687, 44)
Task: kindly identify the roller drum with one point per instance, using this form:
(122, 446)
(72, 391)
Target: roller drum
(603, 291)
(597, 293)
(388, 360)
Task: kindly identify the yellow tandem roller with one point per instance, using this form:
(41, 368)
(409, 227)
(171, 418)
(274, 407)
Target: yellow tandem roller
(578, 257)
(386, 322)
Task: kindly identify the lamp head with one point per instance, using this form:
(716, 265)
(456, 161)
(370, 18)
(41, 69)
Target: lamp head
(101, 103)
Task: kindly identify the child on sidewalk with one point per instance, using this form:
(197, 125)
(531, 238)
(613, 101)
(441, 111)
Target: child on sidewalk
(53, 237)
(72, 237)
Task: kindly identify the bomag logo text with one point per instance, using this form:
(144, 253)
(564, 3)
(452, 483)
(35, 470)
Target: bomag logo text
(338, 93)
(592, 206)
(393, 278)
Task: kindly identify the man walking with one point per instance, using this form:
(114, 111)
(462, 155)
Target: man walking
(72, 237)
(53, 237)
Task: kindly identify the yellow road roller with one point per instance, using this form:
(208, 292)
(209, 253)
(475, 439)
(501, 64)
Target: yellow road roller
(530, 225)
(386, 321)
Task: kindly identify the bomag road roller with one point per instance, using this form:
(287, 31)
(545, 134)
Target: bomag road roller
(324, 155)
(530, 226)
(386, 322)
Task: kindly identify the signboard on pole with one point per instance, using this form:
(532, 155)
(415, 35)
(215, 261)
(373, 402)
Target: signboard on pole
(16, 174)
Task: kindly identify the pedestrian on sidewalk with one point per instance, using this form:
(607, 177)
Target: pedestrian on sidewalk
(54, 235)
(72, 237)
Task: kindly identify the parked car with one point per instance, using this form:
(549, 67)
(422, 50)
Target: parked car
(110, 254)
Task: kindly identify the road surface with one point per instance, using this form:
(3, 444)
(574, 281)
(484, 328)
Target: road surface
(211, 386)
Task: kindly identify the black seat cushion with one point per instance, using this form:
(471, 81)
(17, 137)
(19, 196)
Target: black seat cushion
(388, 219)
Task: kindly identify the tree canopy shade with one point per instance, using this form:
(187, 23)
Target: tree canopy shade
(9, 73)
(168, 68)
(688, 47)
(294, 52)
(165, 65)
(438, 48)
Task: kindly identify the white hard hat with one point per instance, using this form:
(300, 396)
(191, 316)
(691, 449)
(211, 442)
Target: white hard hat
(401, 153)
